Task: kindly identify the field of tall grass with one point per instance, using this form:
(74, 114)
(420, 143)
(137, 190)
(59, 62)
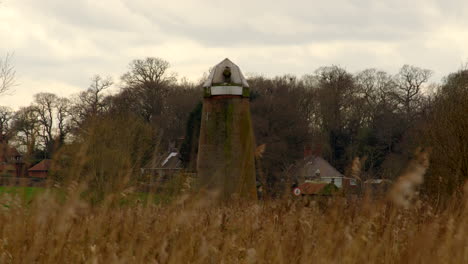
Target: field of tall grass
(66, 223)
(193, 230)
(67, 228)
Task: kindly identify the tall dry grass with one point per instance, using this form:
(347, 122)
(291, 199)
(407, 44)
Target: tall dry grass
(192, 230)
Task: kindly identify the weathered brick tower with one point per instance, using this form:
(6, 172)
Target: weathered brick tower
(226, 147)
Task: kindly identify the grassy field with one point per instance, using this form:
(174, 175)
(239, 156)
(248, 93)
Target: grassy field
(25, 193)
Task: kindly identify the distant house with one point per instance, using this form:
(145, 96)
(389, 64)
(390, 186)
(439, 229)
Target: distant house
(160, 168)
(11, 161)
(8, 170)
(40, 170)
(315, 169)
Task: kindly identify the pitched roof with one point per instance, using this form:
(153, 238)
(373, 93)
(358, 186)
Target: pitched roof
(311, 164)
(216, 74)
(44, 165)
(172, 161)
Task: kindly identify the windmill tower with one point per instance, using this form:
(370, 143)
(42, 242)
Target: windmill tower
(226, 161)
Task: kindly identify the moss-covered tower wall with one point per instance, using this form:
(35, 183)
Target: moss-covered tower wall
(226, 161)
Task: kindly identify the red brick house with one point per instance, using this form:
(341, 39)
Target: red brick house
(11, 161)
(40, 170)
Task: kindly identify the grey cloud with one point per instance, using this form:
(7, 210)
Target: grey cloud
(328, 21)
(69, 41)
(88, 14)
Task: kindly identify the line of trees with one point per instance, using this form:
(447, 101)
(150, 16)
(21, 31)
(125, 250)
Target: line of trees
(337, 114)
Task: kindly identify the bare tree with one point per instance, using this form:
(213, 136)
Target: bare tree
(44, 104)
(281, 122)
(94, 97)
(91, 102)
(25, 123)
(377, 88)
(6, 114)
(339, 111)
(150, 83)
(63, 106)
(7, 74)
(148, 72)
(446, 134)
(409, 82)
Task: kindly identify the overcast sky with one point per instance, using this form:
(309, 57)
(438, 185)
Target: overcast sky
(59, 44)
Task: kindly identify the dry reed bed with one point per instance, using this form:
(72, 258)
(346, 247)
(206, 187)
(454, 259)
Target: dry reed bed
(337, 230)
(399, 228)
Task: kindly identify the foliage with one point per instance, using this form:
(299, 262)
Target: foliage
(281, 122)
(446, 134)
(108, 156)
(189, 147)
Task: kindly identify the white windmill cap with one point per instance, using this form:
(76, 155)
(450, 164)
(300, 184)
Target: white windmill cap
(216, 76)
